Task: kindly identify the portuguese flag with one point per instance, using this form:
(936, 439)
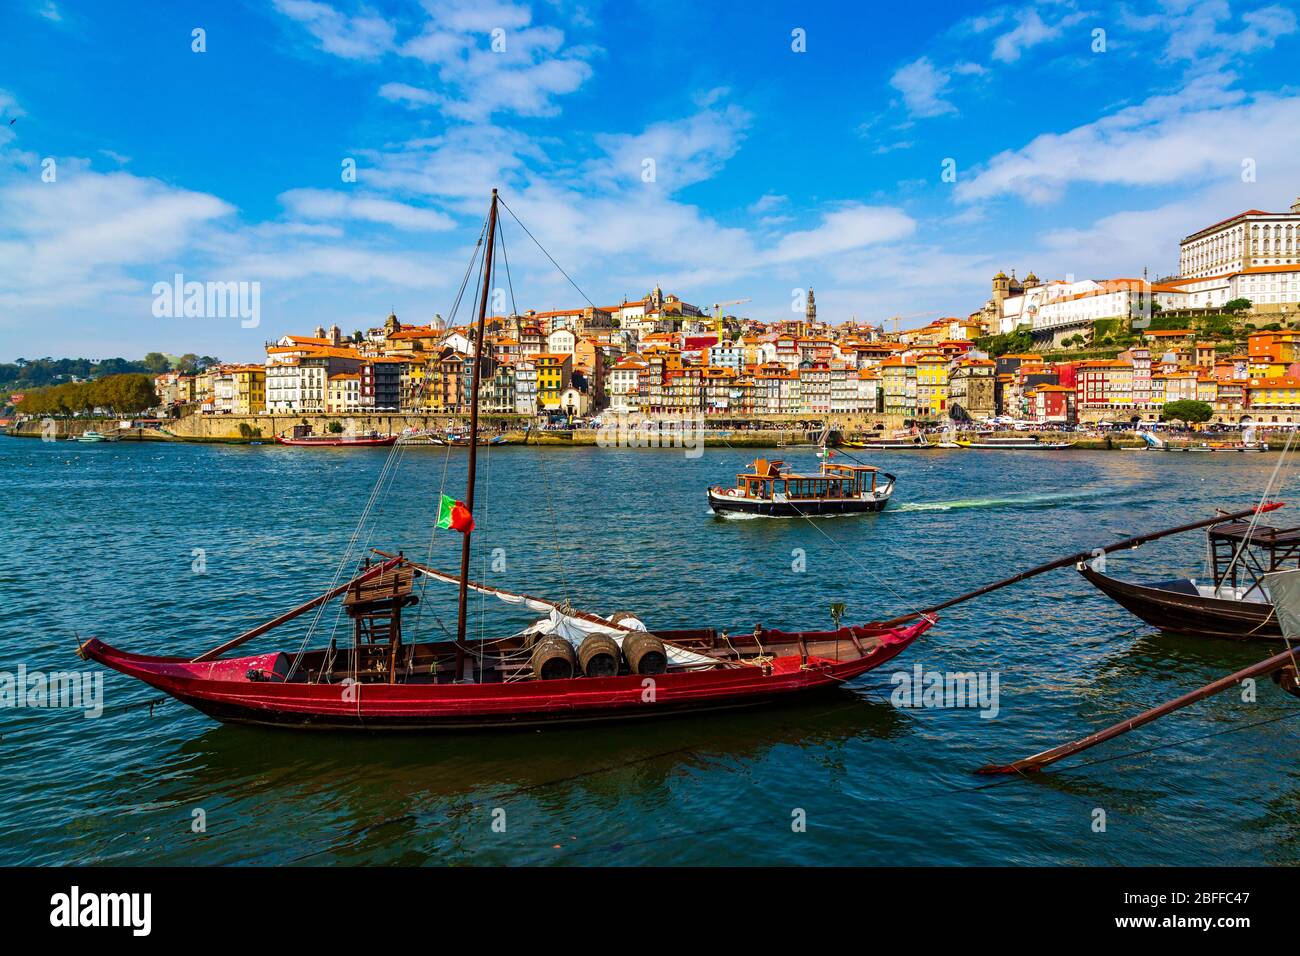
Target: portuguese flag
(454, 515)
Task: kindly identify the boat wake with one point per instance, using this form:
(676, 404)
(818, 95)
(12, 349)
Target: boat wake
(1023, 502)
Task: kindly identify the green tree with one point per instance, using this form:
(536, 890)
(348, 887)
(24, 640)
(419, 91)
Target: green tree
(156, 363)
(1237, 305)
(1187, 411)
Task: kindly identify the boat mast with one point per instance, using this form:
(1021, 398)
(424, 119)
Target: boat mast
(473, 435)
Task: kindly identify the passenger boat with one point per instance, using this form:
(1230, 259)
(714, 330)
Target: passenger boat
(1235, 603)
(771, 490)
(567, 666)
(1026, 442)
(90, 435)
(372, 440)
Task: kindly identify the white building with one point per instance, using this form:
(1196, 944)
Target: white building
(283, 385)
(1269, 289)
(225, 392)
(525, 388)
(725, 355)
(624, 385)
(1248, 239)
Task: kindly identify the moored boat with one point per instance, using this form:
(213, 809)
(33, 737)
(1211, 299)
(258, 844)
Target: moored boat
(771, 490)
(568, 667)
(1234, 604)
(372, 440)
(1026, 442)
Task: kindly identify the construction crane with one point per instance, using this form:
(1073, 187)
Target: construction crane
(915, 315)
(717, 314)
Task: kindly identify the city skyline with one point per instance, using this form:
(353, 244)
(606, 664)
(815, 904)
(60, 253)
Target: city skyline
(809, 152)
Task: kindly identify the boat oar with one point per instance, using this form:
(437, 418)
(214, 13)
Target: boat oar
(1040, 760)
(1133, 542)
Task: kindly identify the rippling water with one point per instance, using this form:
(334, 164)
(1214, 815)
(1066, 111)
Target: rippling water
(102, 539)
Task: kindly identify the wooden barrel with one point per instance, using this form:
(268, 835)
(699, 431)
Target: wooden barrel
(553, 659)
(598, 656)
(645, 653)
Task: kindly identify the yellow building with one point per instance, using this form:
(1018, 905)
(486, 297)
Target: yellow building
(931, 386)
(553, 374)
(1273, 393)
(250, 389)
(898, 382)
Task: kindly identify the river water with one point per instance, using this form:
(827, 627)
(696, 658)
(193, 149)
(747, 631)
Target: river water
(174, 548)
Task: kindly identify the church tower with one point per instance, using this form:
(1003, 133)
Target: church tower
(1001, 287)
(810, 310)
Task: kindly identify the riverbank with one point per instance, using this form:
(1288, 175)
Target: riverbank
(514, 430)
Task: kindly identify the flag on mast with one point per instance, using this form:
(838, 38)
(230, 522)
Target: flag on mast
(453, 515)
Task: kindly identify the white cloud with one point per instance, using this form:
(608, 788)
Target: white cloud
(50, 11)
(924, 86)
(768, 203)
(683, 151)
(81, 233)
(335, 204)
(520, 69)
(1030, 30)
(1196, 29)
(1204, 131)
(844, 230)
(362, 37)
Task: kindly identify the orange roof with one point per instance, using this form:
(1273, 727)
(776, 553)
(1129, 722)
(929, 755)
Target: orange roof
(1281, 381)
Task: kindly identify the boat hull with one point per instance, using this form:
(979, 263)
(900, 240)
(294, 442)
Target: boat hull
(804, 508)
(337, 442)
(222, 690)
(1027, 446)
(1189, 614)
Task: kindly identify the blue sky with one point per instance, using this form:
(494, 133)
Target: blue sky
(774, 169)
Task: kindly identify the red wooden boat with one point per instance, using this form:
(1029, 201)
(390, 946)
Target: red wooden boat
(569, 666)
(338, 441)
(385, 685)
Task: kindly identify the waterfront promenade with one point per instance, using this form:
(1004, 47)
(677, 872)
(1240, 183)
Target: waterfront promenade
(225, 429)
